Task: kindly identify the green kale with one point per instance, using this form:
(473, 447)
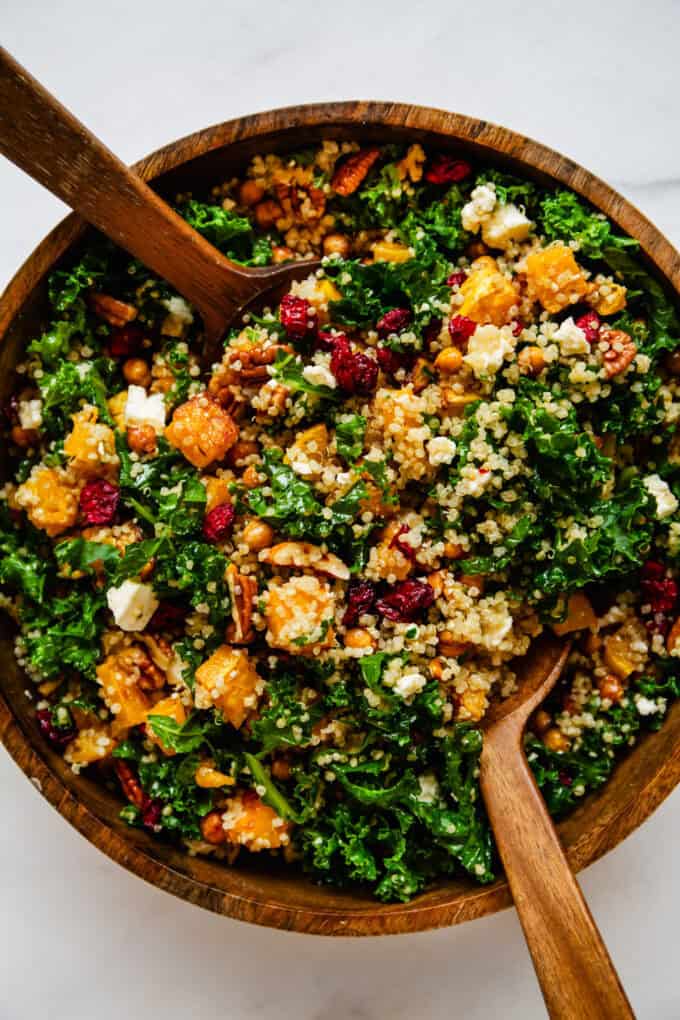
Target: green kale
(181, 738)
(350, 430)
(288, 369)
(565, 217)
(171, 781)
(163, 491)
(65, 390)
(230, 233)
(23, 565)
(80, 555)
(511, 189)
(660, 313)
(64, 633)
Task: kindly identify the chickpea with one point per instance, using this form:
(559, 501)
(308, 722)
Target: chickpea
(541, 721)
(141, 438)
(280, 253)
(267, 213)
(241, 449)
(281, 768)
(672, 362)
(24, 437)
(448, 361)
(337, 244)
(257, 535)
(251, 477)
(250, 193)
(476, 249)
(358, 637)
(137, 372)
(611, 688)
(555, 740)
(212, 829)
(531, 360)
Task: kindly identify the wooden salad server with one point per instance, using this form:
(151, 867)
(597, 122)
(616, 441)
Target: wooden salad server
(576, 974)
(40, 136)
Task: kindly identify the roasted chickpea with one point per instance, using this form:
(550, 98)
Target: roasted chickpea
(24, 437)
(611, 688)
(267, 213)
(251, 477)
(281, 768)
(448, 361)
(337, 244)
(257, 535)
(531, 360)
(141, 438)
(358, 637)
(541, 721)
(280, 253)
(476, 249)
(137, 372)
(555, 740)
(472, 581)
(250, 193)
(212, 829)
(241, 449)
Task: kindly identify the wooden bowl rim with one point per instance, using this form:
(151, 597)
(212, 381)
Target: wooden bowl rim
(658, 752)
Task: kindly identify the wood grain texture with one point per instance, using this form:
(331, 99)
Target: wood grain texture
(576, 974)
(280, 898)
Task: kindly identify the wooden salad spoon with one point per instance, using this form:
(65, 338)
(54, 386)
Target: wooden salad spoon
(40, 136)
(576, 974)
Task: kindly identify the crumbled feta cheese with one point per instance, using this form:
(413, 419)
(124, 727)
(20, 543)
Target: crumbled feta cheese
(179, 309)
(440, 450)
(479, 208)
(646, 706)
(319, 375)
(666, 503)
(506, 224)
(144, 409)
(30, 414)
(132, 604)
(429, 788)
(571, 339)
(487, 349)
(409, 684)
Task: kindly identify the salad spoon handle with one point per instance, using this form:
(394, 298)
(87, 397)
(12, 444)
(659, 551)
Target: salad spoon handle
(44, 139)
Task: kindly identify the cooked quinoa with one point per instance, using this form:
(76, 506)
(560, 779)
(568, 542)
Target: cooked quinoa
(273, 601)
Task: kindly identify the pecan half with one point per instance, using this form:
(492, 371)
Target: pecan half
(140, 666)
(302, 555)
(116, 313)
(141, 438)
(130, 783)
(242, 591)
(620, 351)
(349, 175)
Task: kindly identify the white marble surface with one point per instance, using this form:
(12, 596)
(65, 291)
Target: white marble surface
(81, 937)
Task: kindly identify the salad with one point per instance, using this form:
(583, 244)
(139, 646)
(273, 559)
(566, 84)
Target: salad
(272, 600)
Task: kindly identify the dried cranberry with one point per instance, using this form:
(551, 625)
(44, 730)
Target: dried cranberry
(461, 329)
(398, 542)
(58, 736)
(406, 601)
(360, 599)
(391, 361)
(168, 616)
(99, 502)
(445, 169)
(652, 570)
(517, 327)
(565, 779)
(354, 371)
(326, 341)
(431, 332)
(152, 811)
(658, 624)
(394, 321)
(297, 317)
(455, 279)
(662, 596)
(590, 324)
(125, 340)
(218, 523)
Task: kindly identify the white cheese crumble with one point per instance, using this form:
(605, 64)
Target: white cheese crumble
(429, 788)
(479, 208)
(409, 684)
(132, 604)
(440, 450)
(487, 349)
(144, 409)
(30, 414)
(506, 225)
(571, 338)
(179, 309)
(319, 375)
(666, 503)
(646, 706)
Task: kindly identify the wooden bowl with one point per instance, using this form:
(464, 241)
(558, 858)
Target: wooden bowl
(255, 890)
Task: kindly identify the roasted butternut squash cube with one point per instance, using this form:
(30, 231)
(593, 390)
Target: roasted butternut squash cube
(299, 615)
(216, 492)
(626, 650)
(555, 279)
(202, 431)
(91, 446)
(488, 295)
(391, 251)
(386, 561)
(609, 299)
(580, 615)
(92, 744)
(308, 454)
(124, 698)
(50, 498)
(172, 708)
(251, 823)
(229, 682)
(472, 706)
